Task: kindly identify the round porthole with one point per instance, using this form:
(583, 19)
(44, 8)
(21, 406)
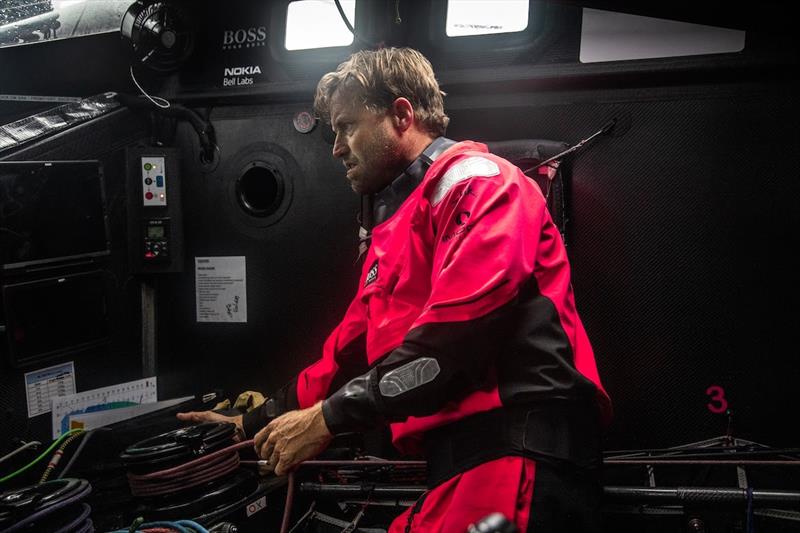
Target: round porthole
(259, 182)
(260, 189)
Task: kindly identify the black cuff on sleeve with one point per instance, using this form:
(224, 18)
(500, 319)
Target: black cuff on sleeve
(354, 406)
(285, 399)
(253, 421)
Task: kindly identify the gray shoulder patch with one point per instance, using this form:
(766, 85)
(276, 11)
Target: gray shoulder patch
(468, 168)
(409, 376)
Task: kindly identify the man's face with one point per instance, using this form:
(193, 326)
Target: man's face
(366, 142)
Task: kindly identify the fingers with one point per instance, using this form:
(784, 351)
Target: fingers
(264, 470)
(270, 448)
(260, 440)
(285, 463)
(194, 416)
(274, 459)
(289, 440)
(200, 417)
(264, 445)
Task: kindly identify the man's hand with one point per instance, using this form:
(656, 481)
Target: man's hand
(201, 417)
(293, 438)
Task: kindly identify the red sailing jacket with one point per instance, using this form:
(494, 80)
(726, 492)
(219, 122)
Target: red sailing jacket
(464, 306)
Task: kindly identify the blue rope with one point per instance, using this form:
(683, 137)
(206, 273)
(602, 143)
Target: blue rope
(751, 527)
(180, 526)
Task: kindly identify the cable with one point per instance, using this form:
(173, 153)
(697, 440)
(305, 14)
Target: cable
(31, 444)
(195, 472)
(304, 517)
(81, 524)
(42, 456)
(166, 103)
(81, 446)
(742, 462)
(179, 526)
(696, 451)
(344, 18)
(352, 29)
(56, 458)
(287, 508)
(607, 127)
(72, 499)
(397, 19)
(203, 128)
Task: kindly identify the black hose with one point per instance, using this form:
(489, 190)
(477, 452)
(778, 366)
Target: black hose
(203, 128)
(352, 30)
(89, 434)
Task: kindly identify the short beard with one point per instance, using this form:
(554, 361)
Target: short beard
(393, 162)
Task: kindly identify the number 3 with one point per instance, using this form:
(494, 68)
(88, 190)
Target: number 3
(717, 394)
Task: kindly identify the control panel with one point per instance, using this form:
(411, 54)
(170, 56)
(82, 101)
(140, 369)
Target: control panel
(154, 184)
(155, 222)
(156, 239)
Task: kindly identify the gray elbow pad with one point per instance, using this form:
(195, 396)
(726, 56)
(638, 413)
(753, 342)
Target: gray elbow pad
(409, 377)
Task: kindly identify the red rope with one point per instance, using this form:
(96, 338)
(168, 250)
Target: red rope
(196, 472)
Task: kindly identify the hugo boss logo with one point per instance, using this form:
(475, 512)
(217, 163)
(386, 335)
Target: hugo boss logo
(372, 274)
(249, 37)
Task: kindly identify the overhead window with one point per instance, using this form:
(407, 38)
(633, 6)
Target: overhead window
(475, 17)
(318, 24)
(30, 21)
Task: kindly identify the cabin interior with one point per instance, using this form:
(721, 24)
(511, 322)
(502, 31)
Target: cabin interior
(675, 132)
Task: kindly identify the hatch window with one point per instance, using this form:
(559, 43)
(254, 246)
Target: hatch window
(32, 21)
(318, 24)
(471, 17)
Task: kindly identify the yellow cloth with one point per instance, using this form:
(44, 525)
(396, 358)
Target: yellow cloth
(249, 400)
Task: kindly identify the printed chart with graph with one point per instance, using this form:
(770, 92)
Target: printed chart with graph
(132, 393)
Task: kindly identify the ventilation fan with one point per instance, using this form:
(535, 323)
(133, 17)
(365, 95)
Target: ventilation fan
(159, 33)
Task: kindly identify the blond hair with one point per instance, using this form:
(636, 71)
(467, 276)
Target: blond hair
(380, 77)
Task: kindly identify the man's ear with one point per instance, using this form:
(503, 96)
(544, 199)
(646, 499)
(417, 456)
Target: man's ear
(402, 114)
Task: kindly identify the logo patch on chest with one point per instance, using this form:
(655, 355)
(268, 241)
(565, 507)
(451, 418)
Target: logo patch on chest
(372, 275)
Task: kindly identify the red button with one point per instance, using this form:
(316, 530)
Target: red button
(148, 195)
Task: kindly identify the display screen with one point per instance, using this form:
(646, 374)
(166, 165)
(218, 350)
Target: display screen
(51, 211)
(56, 316)
(155, 232)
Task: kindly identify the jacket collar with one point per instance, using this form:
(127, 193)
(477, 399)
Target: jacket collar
(389, 200)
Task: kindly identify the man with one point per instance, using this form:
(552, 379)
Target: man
(463, 335)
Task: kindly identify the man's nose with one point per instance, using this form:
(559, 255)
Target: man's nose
(339, 147)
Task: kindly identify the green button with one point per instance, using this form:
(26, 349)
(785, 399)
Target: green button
(148, 166)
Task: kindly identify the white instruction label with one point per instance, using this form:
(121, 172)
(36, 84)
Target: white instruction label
(220, 289)
(42, 385)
